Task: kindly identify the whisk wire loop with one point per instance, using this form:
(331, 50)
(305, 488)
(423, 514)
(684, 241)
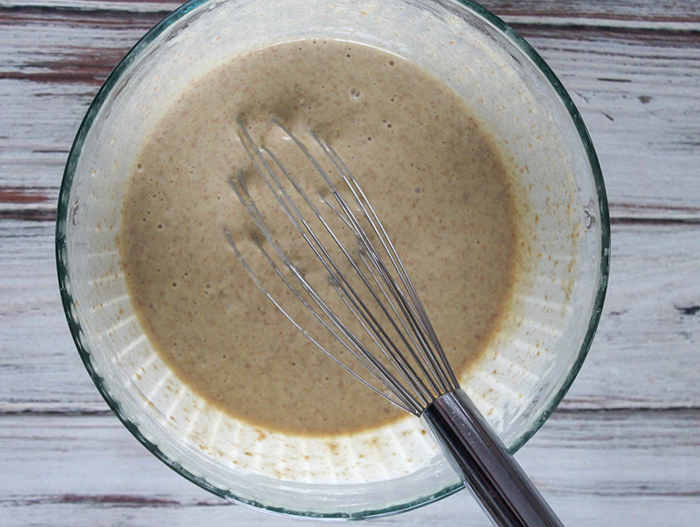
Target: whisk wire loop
(416, 356)
(387, 346)
(356, 347)
(395, 355)
(443, 370)
(372, 273)
(402, 403)
(351, 220)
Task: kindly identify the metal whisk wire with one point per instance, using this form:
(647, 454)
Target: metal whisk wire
(417, 357)
(418, 378)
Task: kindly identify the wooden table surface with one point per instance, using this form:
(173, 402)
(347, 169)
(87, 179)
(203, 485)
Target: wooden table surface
(624, 446)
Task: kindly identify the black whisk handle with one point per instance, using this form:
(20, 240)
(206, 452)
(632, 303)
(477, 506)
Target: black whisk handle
(477, 454)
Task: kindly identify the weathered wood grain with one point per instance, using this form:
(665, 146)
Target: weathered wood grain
(650, 327)
(593, 467)
(644, 356)
(623, 448)
(636, 88)
(599, 12)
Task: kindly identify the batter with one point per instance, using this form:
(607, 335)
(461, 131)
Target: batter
(432, 173)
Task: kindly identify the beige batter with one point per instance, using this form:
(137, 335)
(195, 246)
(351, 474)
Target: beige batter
(433, 175)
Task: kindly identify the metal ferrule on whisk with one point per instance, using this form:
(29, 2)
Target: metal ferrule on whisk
(487, 468)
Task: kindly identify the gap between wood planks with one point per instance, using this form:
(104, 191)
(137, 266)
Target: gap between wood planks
(30, 410)
(49, 215)
(627, 13)
(579, 456)
(144, 14)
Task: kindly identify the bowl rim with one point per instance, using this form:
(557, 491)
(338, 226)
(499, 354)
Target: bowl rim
(74, 324)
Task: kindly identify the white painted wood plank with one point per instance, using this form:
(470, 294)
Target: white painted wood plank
(640, 103)
(599, 11)
(645, 354)
(637, 91)
(646, 350)
(133, 6)
(597, 468)
(598, 511)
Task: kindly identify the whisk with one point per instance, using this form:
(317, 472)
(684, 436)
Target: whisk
(386, 328)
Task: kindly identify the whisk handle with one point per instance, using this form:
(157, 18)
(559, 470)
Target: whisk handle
(477, 454)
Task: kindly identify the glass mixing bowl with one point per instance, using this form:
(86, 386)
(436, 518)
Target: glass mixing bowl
(531, 364)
